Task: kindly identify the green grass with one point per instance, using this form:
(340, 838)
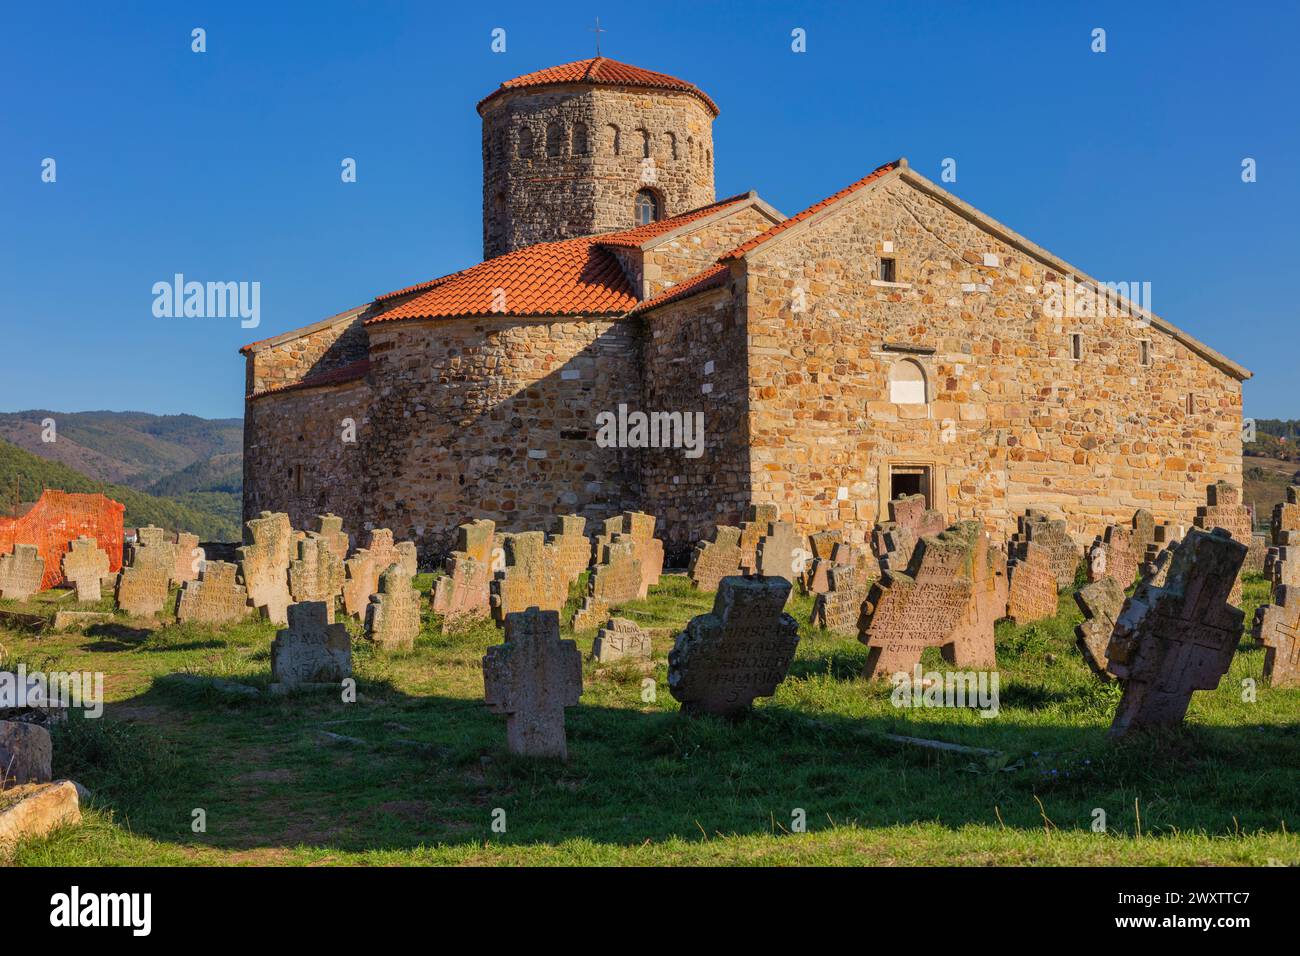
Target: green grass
(644, 784)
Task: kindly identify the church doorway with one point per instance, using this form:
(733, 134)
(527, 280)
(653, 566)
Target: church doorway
(910, 480)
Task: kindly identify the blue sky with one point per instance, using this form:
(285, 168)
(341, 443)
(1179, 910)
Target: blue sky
(225, 165)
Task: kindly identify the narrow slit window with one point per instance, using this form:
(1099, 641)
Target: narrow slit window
(887, 271)
(1144, 351)
(1191, 404)
(1076, 347)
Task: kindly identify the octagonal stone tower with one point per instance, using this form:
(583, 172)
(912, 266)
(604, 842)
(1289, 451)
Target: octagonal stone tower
(590, 147)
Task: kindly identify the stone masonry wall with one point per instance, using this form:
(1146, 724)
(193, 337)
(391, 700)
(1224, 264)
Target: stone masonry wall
(695, 361)
(495, 418)
(1012, 422)
(543, 197)
(295, 459)
(322, 350)
(678, 259)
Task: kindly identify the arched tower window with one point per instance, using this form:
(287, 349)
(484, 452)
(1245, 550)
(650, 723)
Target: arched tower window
(645, 143)
(672, 145)
(525, 143)
(554, 139)
(579, 138)
(907, 383)
(647, 207)
(611, 132)
(690, 148)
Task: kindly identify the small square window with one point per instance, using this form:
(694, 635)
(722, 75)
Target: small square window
(1076, 347)
(887, 271)
(1144, 351)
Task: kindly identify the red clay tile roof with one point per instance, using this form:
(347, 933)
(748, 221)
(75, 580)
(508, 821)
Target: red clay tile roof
(642, 234)
(812, 210)
(601, 71)
(335, 376)
(711, 278)
(569, 277)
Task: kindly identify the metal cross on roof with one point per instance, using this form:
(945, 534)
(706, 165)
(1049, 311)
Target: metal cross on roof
(598, 31)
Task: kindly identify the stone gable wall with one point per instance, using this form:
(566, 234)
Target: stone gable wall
(1013, 421)
(545, 198)
(688, 255)
(314, 352)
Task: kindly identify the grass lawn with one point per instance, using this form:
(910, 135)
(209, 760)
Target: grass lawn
(417, 770)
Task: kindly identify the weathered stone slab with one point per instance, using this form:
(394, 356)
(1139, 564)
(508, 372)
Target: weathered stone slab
(215, 598)
(620, 639)
(741, 650)
(1113, 555)
(360, 580)
(616, 580)
(1100, 603)
(79, 620)
(1277, 628)
(639, 528)
(1031, 594)
(755, 525)
(936, 603)
(1171, 641)
(1052, 534)
(893, 541)
(144, 584)
(189, 556)
(1223, 509)
(572, 546)
(532, 577)
(781, 552)
(26, 753)
(311, 650)
(316, 574)
(85, 565)
(264, 565)
(21, 572)
(393, 616)
(329, 527)
(384, 551)
(816, 577)
(532, 678)
(837, 610)
(465, 591)
(1254, 563)
(714, 560)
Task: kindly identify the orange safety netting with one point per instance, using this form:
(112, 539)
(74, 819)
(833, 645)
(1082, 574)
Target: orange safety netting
(56, 520)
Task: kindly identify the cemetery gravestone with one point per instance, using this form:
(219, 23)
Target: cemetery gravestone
(393, 616)
(21, 572)
(572, 546)
(1223, 509)
(739, 651)
(838, 609)
(1100, 603)
(751, 529)
(85, 564)
(531, 577)
(971, 644)
(620, 639)
(617, 580)
(464, 591)
(214, 598)
(717, 559)
(360, 579)
(776, 551)
(1170, 641)
(822, 544)
(532, 678)
(330, 529)
(1052, 534)
(311, 650)
(1031, 584)
(188, 558)
(1277, 629)
(385, 552)
(1119, 559)
(144, 584)
(26, 753)
(316, 574)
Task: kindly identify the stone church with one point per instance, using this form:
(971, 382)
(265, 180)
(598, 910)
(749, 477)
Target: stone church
(888, 339)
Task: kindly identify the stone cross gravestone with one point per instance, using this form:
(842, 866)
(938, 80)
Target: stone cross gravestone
(360, 579)
(838, 609)
(316, 574)
(616, 580)
(777, 551)
(821, 545)
(1170, 641)
(188, 558)
(85, 564)
(1031, 584)
(1277, 629)
(572, 546)
(532, 577)
(1223, 509)
(329, 527)
(464, 591)
(754, 526)
(711, 561)
(215, 597)
(1100, 603)
(143, 584)
(393, 616)
(1052, 534)
(21, 572)
(1119, 559)
(263, 573)
(620, 639)
(311, 650)
(386, 552)
(741, 650)
(532, 678)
